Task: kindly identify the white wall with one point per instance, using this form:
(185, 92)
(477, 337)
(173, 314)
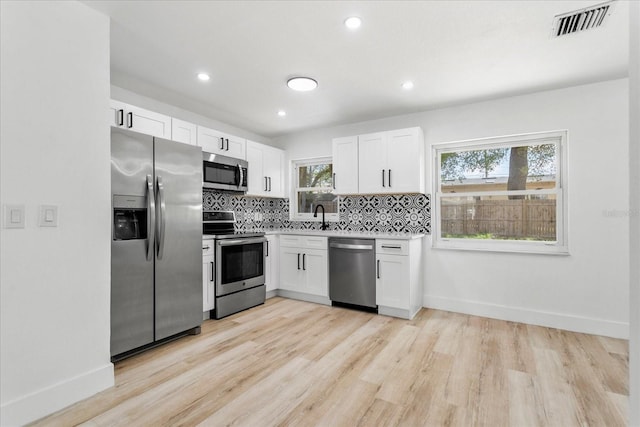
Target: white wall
(55, 282)
(586, 291)
(634, 217)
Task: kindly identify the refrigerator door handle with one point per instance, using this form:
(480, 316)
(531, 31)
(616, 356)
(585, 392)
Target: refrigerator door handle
(151, 218)
(161, 218)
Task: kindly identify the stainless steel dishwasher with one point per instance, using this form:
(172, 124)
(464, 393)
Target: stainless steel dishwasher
(352, 271)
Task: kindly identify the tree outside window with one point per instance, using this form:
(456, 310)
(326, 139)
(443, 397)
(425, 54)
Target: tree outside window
(313, 185)
(507, 190)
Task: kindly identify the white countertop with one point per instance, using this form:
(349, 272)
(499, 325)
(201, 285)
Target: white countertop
(337, 233)
(342, 233)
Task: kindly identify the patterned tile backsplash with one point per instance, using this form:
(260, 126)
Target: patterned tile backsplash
(394, 213)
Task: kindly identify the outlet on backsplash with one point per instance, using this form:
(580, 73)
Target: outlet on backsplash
(257, 216)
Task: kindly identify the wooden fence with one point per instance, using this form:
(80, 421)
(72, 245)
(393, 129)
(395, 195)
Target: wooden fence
(504, 219)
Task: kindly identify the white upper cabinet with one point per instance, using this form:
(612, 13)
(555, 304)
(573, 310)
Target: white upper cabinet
(266, 170)
(217, 142)
(184, 132)
(372, 162)
(140, 120)
(405, 161)
(345, 165)
(391, 162)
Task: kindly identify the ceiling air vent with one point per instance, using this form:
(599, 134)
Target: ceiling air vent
(582, 20)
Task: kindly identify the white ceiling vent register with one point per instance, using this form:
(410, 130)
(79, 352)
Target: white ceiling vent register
(582, 20)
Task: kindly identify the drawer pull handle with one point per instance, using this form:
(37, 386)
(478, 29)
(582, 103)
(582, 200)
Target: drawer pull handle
(205, 248)
(391, 247)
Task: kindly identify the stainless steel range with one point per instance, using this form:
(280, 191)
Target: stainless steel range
(239, 264)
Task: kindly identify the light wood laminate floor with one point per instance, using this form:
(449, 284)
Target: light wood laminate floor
(300, 364)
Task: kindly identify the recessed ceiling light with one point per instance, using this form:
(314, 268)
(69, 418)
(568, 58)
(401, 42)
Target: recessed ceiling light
(282, 113)
(407, 85)
(353, 23)
(203, 76)
(302, 84)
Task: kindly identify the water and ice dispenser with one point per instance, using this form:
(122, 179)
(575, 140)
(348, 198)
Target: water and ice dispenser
(129, 218)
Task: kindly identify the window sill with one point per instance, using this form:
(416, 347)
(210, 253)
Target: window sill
(502, 247)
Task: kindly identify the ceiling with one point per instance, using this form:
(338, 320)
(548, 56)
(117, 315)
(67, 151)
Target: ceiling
(454, 51)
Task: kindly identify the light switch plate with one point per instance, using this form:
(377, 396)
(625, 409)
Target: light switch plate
(14, 216)
(48, 216)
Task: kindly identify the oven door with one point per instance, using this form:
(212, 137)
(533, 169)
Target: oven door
(239, 264)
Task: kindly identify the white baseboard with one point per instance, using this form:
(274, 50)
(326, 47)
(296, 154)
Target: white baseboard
(58, 396)
(272, 293)
(303, 297)
(394, 312)
(567, 322)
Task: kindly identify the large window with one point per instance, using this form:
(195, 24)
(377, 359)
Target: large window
(312, 185)
(503, 194)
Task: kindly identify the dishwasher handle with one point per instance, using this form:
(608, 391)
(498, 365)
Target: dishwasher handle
(348, 246)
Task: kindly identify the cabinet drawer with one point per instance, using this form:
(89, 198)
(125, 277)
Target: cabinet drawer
(207, 247)
(313, 242)
(288, 241)
(392, 247)
(303, 242)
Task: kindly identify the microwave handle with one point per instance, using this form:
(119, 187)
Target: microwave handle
(241, 175)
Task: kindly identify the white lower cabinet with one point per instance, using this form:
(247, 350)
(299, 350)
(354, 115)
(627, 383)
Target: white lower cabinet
(208, 276)
(271, 264)
(398, 277)
(304, 265)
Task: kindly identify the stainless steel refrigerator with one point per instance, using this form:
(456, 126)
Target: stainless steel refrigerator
(156, 253)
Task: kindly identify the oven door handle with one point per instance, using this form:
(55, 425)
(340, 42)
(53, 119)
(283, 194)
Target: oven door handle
(236, 242)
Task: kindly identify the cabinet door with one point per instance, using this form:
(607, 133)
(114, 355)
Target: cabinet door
(184, 132)
(211, 140)
(345, 165)
(315, 268)
(257, 181)
(392, 281)
(208, 284)
(273, 169)
(372, 163)
(235, 147)
(405, 161)
(140, 120)
(272, 267)
(290, 269)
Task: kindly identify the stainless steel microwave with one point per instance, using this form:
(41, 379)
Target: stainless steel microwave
(224, 173)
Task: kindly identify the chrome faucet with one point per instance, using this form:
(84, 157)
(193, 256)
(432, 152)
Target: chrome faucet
(324, 225)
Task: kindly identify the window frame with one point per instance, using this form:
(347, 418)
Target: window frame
(557, 247)
(294, 215)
